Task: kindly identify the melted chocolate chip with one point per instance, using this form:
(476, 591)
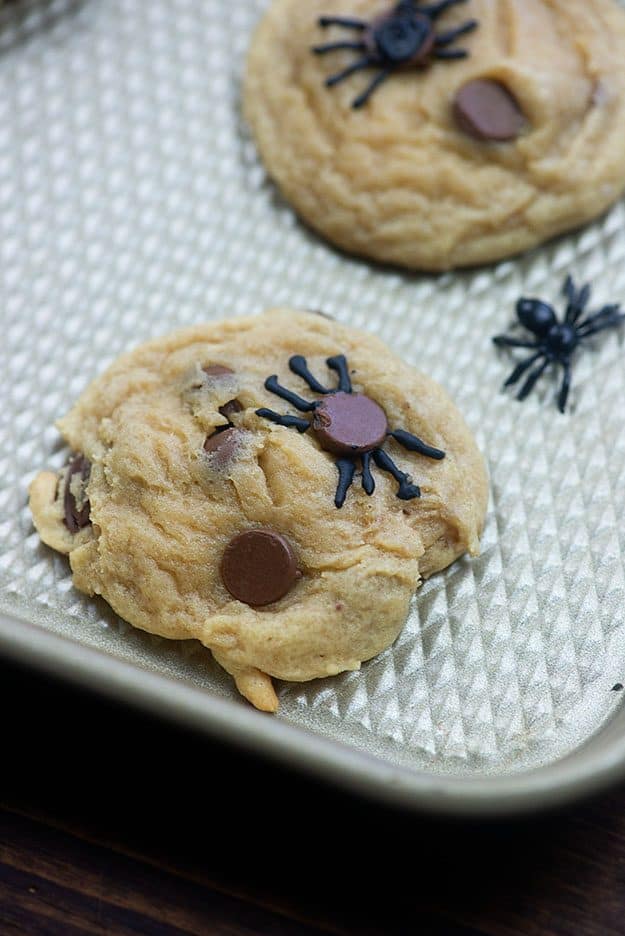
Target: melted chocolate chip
(222, 445)
(486, 110)
(217, 370)
(230, 408)
(259, 567)
(349, 424)
(76, 517)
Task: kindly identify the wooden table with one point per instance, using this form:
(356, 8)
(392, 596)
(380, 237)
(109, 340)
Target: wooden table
(111, 822)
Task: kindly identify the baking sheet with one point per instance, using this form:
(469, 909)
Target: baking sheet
(131, 203)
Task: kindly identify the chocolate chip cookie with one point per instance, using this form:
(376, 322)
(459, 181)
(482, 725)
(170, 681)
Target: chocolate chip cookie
(441, 134)
(275, 487)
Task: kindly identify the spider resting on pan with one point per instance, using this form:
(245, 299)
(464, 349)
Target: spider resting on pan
(348, 424)
(556, 341)
(403, 37)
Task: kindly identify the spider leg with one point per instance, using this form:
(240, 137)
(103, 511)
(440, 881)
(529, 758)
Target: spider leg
(368, 484)
(583, 296)
(446, 38)
(601, 326)
(298, 365)
(604, 318)
(450, 53)
(566, 385)
(366, 94)
(434, 10)
(338, 363)
(521, 368)
(608, 310)
(347, 21)
(291, 422)
(305, 406)
(577, 300)
(503, 341)
(568, 289)
(406, 490)
(356, 66)
(331, 46)
(346, 469)
(528, 386)
(414, 444)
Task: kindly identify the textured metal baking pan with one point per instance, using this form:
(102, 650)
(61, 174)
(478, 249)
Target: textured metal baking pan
(131, 203)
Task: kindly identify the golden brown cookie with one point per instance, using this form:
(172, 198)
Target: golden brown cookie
(274, 486)
(444, 161)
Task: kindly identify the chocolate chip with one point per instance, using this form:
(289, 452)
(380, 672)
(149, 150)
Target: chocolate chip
(486, 110)
(230, 408)
(259, 567)
(222, 445)
(76, 517)
(217, 370)
(349, 423)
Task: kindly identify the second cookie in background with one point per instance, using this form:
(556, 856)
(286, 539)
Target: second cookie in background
(441, 135)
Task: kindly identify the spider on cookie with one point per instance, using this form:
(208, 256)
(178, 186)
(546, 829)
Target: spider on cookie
(402, 37)
(349, 425)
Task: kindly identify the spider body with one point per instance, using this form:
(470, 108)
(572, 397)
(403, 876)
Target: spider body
(555, 341)
(349, 425)
(400, 38)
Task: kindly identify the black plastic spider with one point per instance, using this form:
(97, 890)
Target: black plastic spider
(556, 341)
(402, 37)
(347, 424)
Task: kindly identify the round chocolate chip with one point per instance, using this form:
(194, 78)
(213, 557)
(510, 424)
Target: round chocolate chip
(217, 370)
(486, 110)
(222, 445)
(230, 408)
(259, 567)
(349, 423)
(78, 471)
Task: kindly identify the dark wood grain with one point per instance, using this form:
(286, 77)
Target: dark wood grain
(111, 822)
(51, 880)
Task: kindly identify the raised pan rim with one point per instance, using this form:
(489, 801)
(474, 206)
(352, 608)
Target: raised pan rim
(546, 787)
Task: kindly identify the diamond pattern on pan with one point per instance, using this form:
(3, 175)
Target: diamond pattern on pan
(132, 202)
